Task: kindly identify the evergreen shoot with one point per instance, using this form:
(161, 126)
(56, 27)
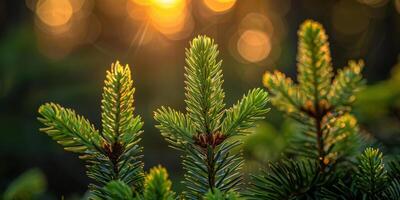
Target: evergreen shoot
(205, 133)
(324, 152)
(320, 104)
(113, 155)
(325, 158)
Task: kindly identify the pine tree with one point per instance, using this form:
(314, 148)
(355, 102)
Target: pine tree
(328, 139)
(206, 132)
(113, 155)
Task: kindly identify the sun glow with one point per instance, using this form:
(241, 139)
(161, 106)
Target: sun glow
(54, 12)
(219, 5)
(167, 3)
(169, 17)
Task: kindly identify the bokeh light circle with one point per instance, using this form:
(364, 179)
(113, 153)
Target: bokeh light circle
(254, 45)
(54, 12)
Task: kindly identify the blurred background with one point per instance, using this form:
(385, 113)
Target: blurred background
(59, 50)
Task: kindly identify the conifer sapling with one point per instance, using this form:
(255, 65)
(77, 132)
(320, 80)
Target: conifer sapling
(205, 133)
(113, 156)
(328, 138)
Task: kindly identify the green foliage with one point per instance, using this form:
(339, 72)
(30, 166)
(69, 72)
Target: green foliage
(314, 61)
(346, 84)
(112, 154)
(371, 176)
(369, 180)
(323, 156)
(157, 186)
(327, 133)
(287, 96)
(218, 195)
(118, 121)
(317, 102)
(242, 115)
(72, 131)
(29, 185)
(115, 190)
(204, 94)
(286, 180)
(176, 128)
(203, 133)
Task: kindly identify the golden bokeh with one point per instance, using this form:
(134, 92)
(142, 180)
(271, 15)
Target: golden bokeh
(54, 12)
(63, 25)
(219, 5)
(254, 45)
(169, 17)
(167, 3)
(257, 21)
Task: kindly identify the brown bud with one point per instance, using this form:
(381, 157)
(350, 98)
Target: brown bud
(309, 108)
(214, 139)
(324, 106)
(113, 151)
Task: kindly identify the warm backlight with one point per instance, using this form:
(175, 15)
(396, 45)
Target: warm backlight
(169, 17)
(167, 3)
(254, 45)
(219, 5)
(54, 12)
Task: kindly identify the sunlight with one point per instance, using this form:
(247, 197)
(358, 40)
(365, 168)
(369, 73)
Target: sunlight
(166, 3)
(54, 12)
(171, 18)
(219, 5)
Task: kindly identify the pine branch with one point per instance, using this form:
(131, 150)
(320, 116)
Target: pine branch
(117, 106)
(242, 115)
(114, 190)
(209, 161)
(120, 127)
(204, 94)
(287, 96)
(317, 102)
(394, 166)
(285, 180)
(371, 176)
(370, 180)
(343, 143)
(347, 82)
(393, 190)
(157, 186)
(326, 133)
(314, 61)
(208, 168)
(113, 154)
(339, 191)
(174, 126)
(70, 130)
